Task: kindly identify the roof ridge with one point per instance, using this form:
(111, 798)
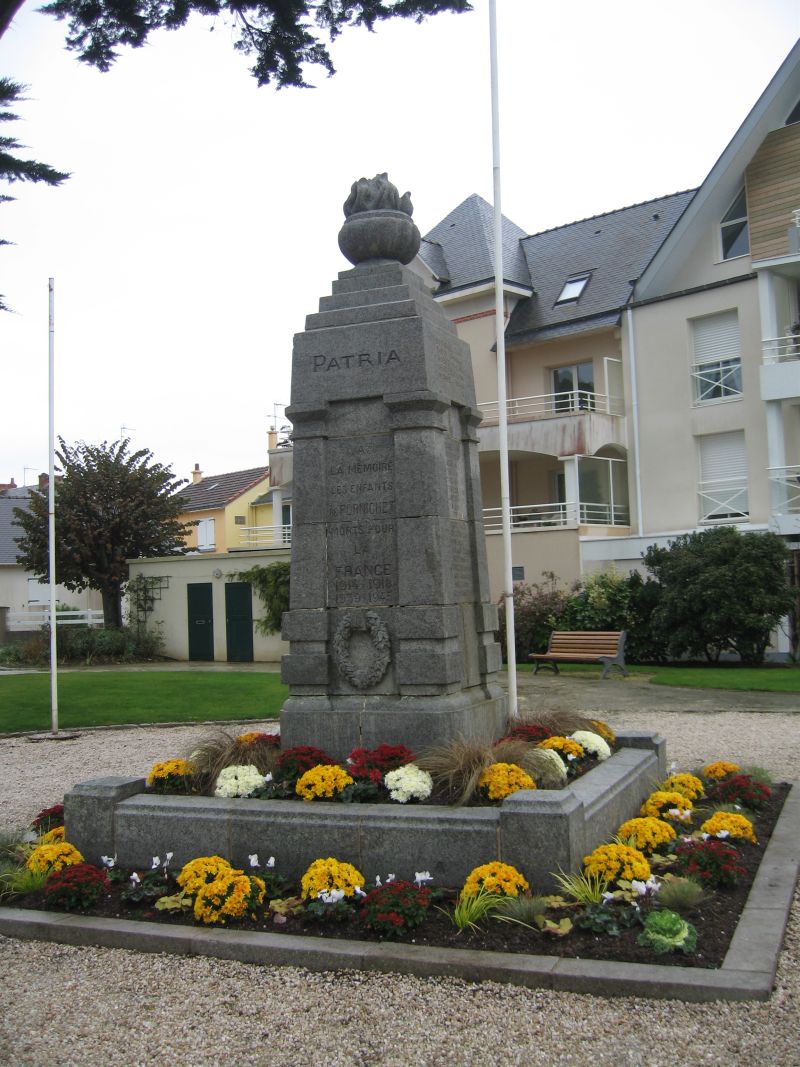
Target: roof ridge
(614, 211)
(228, 474)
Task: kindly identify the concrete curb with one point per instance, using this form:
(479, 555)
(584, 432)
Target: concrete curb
(747, 973)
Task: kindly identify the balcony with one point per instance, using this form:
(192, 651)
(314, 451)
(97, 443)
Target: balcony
(552, 406)
(723, 501)
(781, 349)
(251, 537)
(565, 514)
(784, 483)
(555, 424)
(780, 368)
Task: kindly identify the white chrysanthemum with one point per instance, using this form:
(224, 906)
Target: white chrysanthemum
(408, 783)
(592, 743)
(238, 781)
(557, 762)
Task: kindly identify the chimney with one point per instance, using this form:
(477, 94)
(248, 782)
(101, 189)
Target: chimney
(13, 484)
(197, 474)
(44, 480)
(272, 438)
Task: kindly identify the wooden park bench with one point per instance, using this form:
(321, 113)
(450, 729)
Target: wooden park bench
(581, 646)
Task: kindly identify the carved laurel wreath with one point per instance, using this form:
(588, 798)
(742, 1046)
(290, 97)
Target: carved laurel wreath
(362, 677)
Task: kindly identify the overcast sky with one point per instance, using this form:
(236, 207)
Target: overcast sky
(199, 226)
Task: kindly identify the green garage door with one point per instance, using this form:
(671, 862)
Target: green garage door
(201, 621)
(239, 621)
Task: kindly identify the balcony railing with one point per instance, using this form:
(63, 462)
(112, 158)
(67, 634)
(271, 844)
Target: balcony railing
(566, 513)
(723, 500)
(781, 349)
(785, 489)
(552, 405)
(265, 536)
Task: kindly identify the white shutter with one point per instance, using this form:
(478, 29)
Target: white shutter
(716, 337)
(722, 455)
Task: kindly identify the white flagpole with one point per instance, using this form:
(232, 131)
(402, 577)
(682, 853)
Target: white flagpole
(499, 315)
(51, 515)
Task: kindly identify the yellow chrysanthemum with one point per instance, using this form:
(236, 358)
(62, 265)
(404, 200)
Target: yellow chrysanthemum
(687, 785)
(53, 857)
(324, 875)
(53, 836)
(495, 877)
(612, 862)
(663, 804)
(171, 768)
(647, 834)
(322, 781)
(200, 872)
(231, 895)
(500, 780)
(720, 769)
(565, 745)
(730, 825)
(604, 730)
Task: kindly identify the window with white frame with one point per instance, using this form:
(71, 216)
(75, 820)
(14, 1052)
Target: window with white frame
(573, 387)
(206, 536)
(734, 230)
(717, 357)
(723, 477)
(573, 289)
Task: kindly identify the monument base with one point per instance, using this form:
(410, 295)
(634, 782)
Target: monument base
(339, 723)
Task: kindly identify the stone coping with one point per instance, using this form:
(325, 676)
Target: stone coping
(747, 973)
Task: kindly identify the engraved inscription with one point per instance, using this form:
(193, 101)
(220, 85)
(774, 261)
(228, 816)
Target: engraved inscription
(355, 359)
(360, 522)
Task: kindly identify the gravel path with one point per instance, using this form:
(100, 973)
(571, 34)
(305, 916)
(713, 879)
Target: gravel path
(102, 1007)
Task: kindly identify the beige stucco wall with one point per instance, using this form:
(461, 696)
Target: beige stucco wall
(536, 551)
(530, 368)
(170, 613)
(669, 420)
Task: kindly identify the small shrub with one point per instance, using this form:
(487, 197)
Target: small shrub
(670, 805)
(324, 781)
(394, 908)
(729, 824)
(362, 762)
(171, 776)
(713, 863)
(408, 783)
(680, 894)
(238, 781)
(688, 785)
(527, 731)
(500, 780)
(647, 834)
(325, 876)
(720, 769)
(612, 862)
(538, 608)
(294, 762)
(48, 819)
(232, 894)
(47, 858)
(76, 888)
(495, 877)
(198, 872)
(740, 789)
(608, 920)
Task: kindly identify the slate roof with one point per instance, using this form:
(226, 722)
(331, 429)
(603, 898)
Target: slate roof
(10, 499)
(614, 248)
(217, 490)
(460, 249)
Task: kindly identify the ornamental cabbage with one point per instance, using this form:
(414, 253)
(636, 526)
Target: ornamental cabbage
(665, 931)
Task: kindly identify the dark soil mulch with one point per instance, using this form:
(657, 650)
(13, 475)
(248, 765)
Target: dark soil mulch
(715, 920)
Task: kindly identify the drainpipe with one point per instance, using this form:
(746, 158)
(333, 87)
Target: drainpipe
(637, 473)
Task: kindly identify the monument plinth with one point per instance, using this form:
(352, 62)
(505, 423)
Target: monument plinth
(391, 627)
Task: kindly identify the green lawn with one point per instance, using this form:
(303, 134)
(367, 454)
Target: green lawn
(776, 679)
(111, 698)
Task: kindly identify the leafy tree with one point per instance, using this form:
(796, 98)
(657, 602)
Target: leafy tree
(271, 585)
(12, 168)
(611, 601)
(111, 506)
(280, 35)
(721, 591)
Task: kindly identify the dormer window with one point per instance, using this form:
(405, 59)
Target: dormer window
(734, 230)
(573, 288)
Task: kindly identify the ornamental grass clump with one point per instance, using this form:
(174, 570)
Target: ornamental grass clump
(408, 783)
(325, 782)
(680, 894)
(238, 781)
(712, 862)
(495, 877)
(670, 805)
(76, 888)
(720, 769)
(647, 834)
(395, 908)
(256, 749)
(500, 780)
(728, 824)
(47, 858)
(171, 776)
(740, 789)
(612, 862)
(331, 875)
(543, 765)
(688, 785)
(456, 767)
